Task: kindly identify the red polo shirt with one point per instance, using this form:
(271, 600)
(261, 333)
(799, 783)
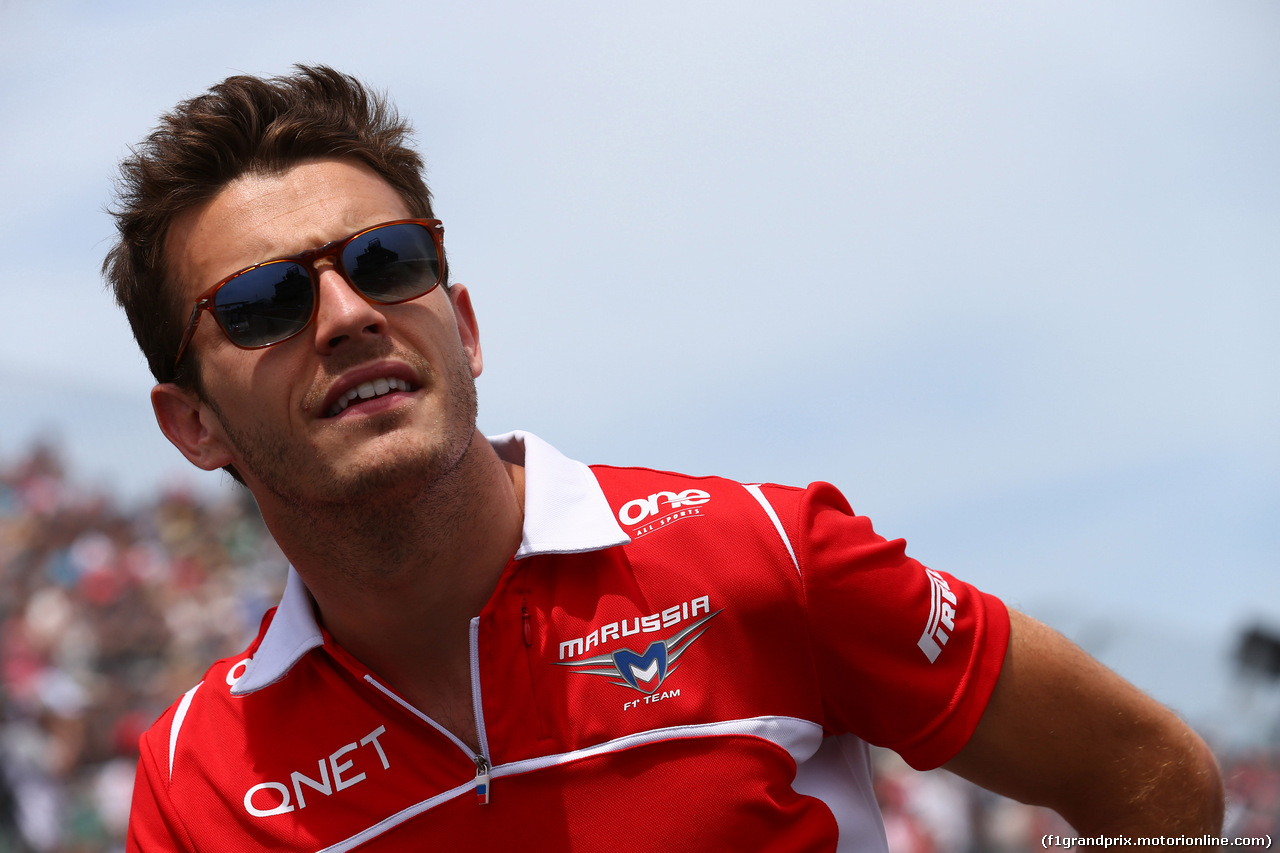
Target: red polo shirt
(667, 662)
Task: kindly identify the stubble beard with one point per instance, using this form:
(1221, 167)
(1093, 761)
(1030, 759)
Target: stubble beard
(321, 493)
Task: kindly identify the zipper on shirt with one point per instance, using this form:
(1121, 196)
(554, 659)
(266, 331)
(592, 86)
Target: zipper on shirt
(482, 760)
(482, 780)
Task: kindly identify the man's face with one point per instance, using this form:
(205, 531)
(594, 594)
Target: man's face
(275, 413)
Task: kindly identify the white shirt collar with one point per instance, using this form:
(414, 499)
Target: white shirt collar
(564, 513)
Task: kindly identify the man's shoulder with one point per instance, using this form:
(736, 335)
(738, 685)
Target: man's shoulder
(617, 481)
(208, 703)
(641, 497)
(723, 512)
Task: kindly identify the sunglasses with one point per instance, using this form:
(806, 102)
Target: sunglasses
(270, 302)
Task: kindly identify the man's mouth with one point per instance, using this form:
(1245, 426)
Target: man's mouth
(367, 391)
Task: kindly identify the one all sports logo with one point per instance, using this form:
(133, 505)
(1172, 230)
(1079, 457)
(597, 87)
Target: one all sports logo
(942, 616)
(644, 671)
(686, 504)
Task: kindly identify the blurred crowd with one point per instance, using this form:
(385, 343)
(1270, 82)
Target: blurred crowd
(108, 615)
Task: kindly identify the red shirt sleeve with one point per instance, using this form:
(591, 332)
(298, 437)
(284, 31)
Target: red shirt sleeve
(154, 825)
(907, 656)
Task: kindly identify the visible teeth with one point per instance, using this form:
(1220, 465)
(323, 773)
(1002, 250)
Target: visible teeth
(367, 391)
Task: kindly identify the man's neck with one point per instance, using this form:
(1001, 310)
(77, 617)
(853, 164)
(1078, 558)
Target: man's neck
(396, 585)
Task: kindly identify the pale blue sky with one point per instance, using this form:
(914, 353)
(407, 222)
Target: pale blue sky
(1006, 273)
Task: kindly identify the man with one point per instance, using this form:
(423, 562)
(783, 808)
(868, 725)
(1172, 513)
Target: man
(484, 643)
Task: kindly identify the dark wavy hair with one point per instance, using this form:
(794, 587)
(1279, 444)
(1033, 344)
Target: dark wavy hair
(242, 125)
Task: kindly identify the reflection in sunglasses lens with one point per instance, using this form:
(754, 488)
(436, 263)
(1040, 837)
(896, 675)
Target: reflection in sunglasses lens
(393, 263)
(266, 304)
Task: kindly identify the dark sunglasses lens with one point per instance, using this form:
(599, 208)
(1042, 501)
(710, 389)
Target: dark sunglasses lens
(393, 263)
(266, 304)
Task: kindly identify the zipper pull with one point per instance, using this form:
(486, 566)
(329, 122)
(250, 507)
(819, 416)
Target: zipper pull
(482, 780)
(524, 617)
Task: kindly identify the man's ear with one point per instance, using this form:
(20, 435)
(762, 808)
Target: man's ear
(191, 425)
(468, 328)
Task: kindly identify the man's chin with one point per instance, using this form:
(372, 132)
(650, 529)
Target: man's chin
(367, 466)
(369, 479)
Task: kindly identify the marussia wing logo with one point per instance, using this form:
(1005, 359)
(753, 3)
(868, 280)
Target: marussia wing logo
(642, 671)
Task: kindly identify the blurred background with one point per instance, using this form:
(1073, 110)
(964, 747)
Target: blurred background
(1005, 273)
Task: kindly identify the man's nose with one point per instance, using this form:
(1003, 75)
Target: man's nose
(343, 313)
